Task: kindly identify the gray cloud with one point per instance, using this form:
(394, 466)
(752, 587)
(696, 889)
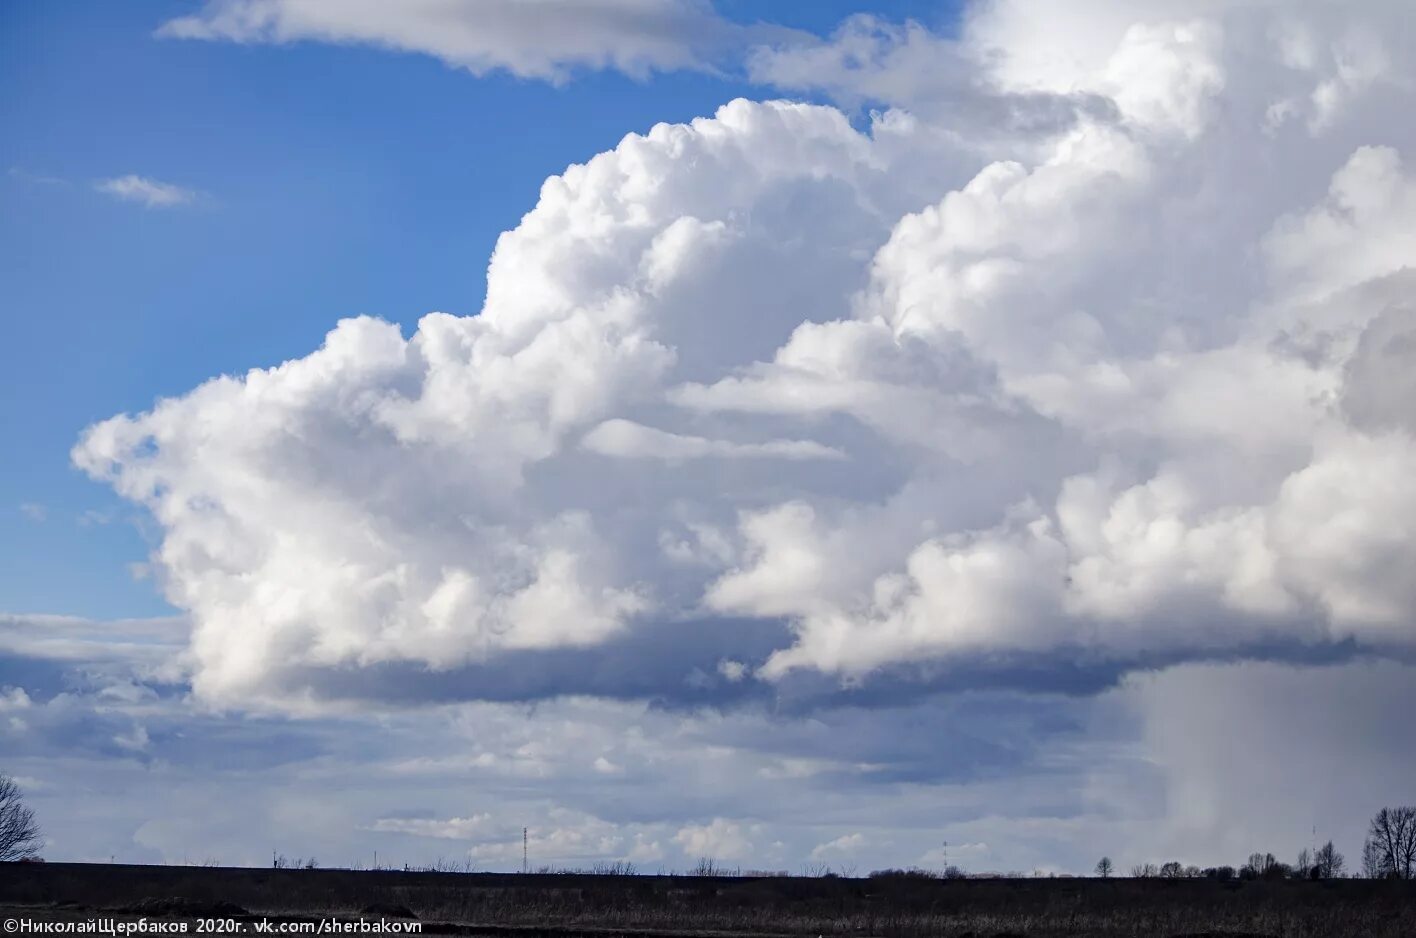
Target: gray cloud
(1200, 762)
(1379, 393)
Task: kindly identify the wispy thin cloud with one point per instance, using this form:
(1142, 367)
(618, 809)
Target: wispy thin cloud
(152, 193)
(92, 517)
(42, 179)
(548, 40)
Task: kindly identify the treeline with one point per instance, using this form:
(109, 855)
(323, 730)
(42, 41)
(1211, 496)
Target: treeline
(1389, 852)
(1324, 863)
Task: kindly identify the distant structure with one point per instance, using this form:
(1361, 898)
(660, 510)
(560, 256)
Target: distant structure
(525, 865)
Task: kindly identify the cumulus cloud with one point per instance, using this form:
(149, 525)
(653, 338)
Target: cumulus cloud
(151, 193)
(1380, 377)
(869, 61)
(719, 839)
(843, 846)
(1122, 387)
(529, 38)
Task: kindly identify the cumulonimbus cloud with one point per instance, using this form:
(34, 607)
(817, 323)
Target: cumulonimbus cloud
(1130, 387)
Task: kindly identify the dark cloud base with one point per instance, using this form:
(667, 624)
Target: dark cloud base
(675, 666)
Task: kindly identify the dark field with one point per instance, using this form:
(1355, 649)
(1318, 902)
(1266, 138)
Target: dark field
(573, 904)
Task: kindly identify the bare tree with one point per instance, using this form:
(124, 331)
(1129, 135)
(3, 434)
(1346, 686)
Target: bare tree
(19, 835)
(706, 867)
(1104, 867)
(1255, 866)
(1264, 866)
(1391, 843)
(1372, 860)
(1327, 862)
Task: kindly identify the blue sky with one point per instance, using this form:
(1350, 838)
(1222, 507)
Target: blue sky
(964, 426)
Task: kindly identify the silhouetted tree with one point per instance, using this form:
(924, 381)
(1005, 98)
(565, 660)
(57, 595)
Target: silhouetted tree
(19, 835)
(1391, 844)
(1104, 867)
(1264, 866)
(1373, 863)
(1172, 870)
(1327, 862)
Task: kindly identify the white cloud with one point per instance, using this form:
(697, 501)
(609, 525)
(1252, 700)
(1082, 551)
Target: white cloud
(868, 60)
(136, 740)
(1360, 232)
(625, 439)
(457, 828)
(13, 698)
(39, 179)
(153, 648)
(732, 670)
(150, 192)
(1119, 387)
(718, 840)
(644, 850)
(844, 846)
(529, 38)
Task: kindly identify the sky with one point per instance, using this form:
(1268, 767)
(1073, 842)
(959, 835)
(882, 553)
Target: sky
(795, 435)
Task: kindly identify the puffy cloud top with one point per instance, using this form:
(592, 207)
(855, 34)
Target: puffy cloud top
(1124, 384)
